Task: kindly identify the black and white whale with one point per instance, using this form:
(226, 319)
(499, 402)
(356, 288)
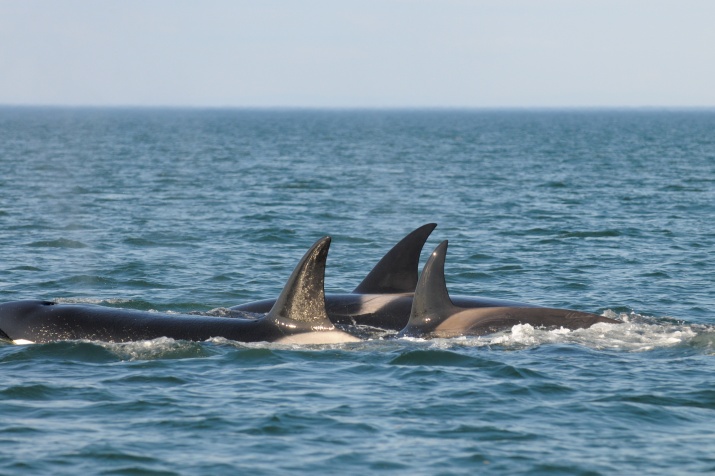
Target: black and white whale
(297, 317)
(384, 298)
(434, 314)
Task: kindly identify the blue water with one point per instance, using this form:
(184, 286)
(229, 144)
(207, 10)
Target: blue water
(192, 210)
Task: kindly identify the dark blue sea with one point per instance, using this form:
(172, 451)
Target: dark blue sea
(606, 211)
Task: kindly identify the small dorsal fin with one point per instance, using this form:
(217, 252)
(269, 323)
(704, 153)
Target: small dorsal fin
(431, 304)
(397, 271)
(303, 297)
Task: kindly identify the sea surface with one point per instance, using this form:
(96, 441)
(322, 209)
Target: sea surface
(607, 211)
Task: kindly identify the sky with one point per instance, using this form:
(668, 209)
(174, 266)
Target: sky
(358, 53)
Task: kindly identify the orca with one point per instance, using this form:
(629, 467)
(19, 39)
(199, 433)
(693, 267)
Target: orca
(384, 298)
(434, 314)
(297, 317)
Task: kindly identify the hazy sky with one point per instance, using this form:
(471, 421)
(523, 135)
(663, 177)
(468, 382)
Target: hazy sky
(358, 53)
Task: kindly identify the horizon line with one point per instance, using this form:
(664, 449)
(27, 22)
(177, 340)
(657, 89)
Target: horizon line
(357, 108)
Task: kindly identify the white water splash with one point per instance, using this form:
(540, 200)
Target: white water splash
(637, 334)
(79, 300)
(160, 348)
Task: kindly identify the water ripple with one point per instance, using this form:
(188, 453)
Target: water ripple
(190, 210)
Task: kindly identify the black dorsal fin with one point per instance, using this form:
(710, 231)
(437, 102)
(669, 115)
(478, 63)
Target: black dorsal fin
(302, 300)
(397, 271)
(431, 304)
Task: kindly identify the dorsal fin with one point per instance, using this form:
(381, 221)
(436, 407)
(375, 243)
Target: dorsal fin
(397, 271)
(431, 304)
(303, 297)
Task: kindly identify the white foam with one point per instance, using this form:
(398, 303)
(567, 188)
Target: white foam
(79, 300)
(162, 347)
(637, 333)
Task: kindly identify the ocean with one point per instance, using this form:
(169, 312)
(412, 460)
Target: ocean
(179, 210)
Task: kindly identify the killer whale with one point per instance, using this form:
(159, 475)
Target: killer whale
(434, 314)
(298, 316)
(384, 297)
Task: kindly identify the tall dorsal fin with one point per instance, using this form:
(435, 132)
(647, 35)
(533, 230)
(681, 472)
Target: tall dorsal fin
(431, 304)
(397, 271)
(302, 300)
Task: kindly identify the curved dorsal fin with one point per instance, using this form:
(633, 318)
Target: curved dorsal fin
(303, 297)
(431, 304)
(397, 271)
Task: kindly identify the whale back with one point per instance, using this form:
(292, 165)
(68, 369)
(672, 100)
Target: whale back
(298, 315)
(433, 314)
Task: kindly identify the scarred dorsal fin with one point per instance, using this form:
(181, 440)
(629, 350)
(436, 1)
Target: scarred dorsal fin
(302, 301)
(431, 304)
(397, 271)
